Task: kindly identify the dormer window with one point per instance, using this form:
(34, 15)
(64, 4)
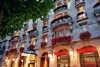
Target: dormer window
(45, 22)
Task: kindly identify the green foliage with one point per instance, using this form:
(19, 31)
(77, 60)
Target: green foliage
(16, 12)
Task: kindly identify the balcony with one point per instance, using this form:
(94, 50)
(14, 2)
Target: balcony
(78, 3)
(33, 32)
(61, 40)
(15, 39)
(82, 16)
(61, 21)
(44, 29)
(43, 44)
(45, 22)
(97, 9)
(60, 9)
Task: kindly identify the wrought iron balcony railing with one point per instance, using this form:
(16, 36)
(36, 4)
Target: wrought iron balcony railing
(78, 3)
(61, 21)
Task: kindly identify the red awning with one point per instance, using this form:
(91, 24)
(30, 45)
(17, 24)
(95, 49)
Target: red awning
(61, 53)
(84, 50)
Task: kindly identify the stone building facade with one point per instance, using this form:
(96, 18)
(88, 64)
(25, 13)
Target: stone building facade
(68, 37)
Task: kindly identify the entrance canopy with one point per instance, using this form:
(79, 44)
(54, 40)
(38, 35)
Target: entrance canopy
(88, 49)
(29, 51)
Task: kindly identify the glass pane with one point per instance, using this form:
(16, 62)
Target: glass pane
(90, 59)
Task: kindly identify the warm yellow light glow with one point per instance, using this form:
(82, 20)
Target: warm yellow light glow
(81, 8)
(71, 53)
(49, 55)
(13, 59)
(6, 60)
(46, 39)
(33, 41)
(21, 60)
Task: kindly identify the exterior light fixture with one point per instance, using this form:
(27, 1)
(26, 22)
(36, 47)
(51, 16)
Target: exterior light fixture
(30, 51)
(50, 53)
(13, 59)
(6, 60)
(72, 51)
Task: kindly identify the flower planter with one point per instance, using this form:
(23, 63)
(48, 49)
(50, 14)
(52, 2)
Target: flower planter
(85, 35)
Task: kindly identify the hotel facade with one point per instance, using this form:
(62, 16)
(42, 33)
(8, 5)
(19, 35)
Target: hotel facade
(68, 37)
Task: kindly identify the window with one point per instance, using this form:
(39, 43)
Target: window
(82, 16)
(80, 8)
(23, 44)
(33, 41)
(79, 1)
(45, 38)
(45, 22)
(83, 26)
(90, 59)
(59, 3)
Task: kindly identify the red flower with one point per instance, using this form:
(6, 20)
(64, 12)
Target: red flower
(21, 49)
(54, 40)
(13, 50)
(67, 39)
(85, 35)
(7, 52)
(43, 44)
(31, 46)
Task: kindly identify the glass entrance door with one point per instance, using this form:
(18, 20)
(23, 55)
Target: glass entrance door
(63, 61)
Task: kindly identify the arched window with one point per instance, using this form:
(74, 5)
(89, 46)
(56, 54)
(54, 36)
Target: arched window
(44, 60)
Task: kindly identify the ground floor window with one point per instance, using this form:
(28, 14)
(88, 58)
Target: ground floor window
(89, 59)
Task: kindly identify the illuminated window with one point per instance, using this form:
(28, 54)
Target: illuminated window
(81, 15)
(79, 0)
(45, 22)
(23, 44)
(80, 8)
(45, 38)
(33, 41)
(17, 45)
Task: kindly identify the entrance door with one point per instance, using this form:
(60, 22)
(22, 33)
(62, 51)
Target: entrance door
(90, 59)
(31, 65)
(63, 61)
